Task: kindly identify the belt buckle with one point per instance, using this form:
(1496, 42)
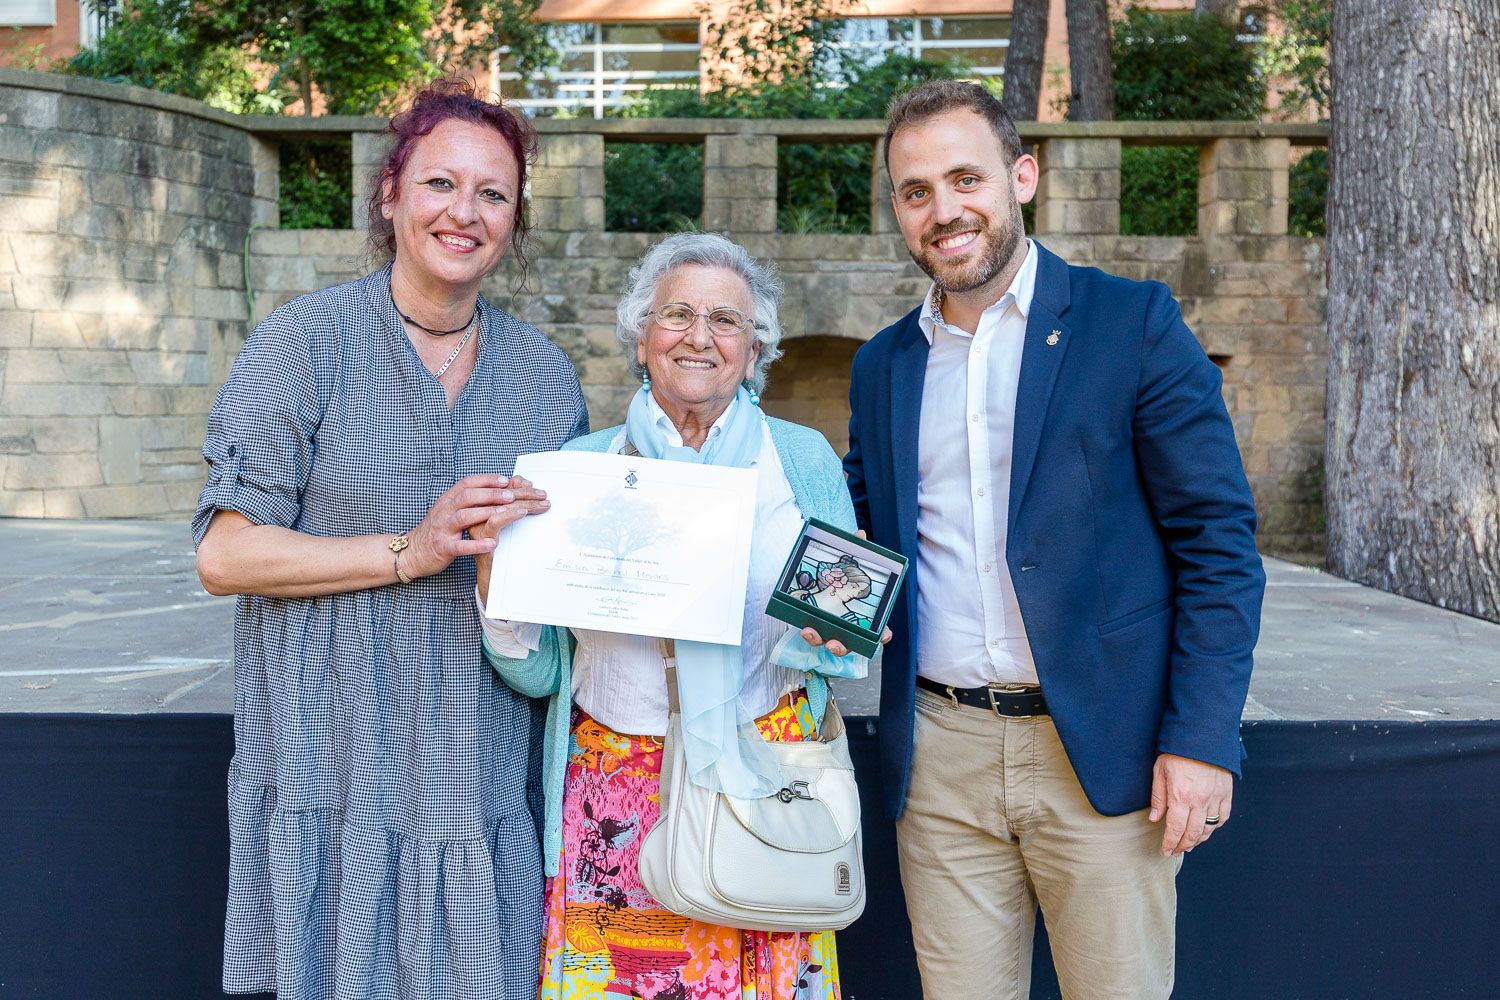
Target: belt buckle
(995, 706)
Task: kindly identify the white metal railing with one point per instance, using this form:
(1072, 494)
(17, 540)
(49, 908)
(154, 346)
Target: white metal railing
(95, 18)
(919, 44)
(599, 89)
(596, 88)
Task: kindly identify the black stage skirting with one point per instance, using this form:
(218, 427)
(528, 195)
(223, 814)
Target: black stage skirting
(1361, 863)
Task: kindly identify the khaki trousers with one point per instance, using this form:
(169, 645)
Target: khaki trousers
(996, 823)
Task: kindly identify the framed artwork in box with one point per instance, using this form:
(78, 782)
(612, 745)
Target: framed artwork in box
(839, 584)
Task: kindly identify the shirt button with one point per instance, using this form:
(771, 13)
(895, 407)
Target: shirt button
(973, 418)
(980, 491)
(994, 642)
(986, 567)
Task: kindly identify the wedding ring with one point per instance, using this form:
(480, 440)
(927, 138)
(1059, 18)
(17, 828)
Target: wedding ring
(1210, 820)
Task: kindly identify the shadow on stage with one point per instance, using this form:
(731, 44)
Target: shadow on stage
(1361, 863)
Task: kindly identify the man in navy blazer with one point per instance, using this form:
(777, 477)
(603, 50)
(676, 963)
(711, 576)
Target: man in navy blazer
(1060, 703)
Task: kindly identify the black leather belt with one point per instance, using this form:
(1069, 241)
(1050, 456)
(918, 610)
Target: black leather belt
(1019, 704)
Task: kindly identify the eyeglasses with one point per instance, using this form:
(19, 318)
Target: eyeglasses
(722, 322)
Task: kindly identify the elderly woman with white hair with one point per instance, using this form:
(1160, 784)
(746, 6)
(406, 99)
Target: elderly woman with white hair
(699, 325)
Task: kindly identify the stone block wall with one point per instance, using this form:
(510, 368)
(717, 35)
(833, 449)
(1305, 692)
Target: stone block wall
(1256, 303)
(122, 296)
(123, 216)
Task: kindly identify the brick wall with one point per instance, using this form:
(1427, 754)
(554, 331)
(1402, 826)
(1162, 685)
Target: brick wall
(123, 216)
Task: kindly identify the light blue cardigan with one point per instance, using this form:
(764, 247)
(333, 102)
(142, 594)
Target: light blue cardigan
(817, 481)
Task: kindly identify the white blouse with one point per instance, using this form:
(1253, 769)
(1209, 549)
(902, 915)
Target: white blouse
(619, 679)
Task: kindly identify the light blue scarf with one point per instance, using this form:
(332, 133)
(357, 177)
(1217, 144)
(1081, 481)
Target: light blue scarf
(723, 748)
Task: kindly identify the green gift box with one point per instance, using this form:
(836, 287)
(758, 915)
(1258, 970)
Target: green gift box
(840, 584)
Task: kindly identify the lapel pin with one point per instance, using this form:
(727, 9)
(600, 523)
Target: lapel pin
(1053, 338)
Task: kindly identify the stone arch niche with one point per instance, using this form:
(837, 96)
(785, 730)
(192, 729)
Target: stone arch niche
(810, 385)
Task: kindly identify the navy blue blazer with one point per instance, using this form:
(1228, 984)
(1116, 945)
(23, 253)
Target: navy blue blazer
(1131, 535)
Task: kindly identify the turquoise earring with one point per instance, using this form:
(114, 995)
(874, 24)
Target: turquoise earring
(754, 396)
(645, 381)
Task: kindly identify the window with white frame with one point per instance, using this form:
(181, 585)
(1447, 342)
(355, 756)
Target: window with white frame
(979, 43)
(27, 13)
(603, 66)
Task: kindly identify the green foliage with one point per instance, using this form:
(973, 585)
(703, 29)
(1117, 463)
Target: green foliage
(1178, 67)
(357, 56)
(316, 179)
(820, 188)
(159, 44)
(1159, 190)
(789, 43)
(652, 188)
(32, 57)
(1299, 52)
(1309, 195)
(468, 30)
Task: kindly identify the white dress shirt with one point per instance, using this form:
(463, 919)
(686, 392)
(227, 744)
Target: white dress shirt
(970, 632)
(619, 679)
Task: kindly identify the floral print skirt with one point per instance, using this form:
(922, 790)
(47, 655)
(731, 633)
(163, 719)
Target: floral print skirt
(606, 938)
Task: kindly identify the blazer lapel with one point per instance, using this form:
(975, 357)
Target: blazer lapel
(908, 372)
(1047, 340)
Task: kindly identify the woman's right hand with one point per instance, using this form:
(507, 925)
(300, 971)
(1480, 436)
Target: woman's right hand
(526, 499)
(460, 523)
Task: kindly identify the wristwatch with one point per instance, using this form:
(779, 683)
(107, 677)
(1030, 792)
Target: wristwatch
(397, 546)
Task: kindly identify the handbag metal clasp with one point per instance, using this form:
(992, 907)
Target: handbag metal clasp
(798, 790)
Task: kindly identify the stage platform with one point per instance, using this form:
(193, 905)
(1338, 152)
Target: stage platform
(1361, 861)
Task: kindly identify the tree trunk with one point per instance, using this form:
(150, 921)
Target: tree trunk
(304, 71)
(1024, 59)
(1089, 62)
(1224, 10)
(1413, 452)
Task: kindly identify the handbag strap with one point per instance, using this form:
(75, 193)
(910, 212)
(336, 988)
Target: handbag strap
(669, 660)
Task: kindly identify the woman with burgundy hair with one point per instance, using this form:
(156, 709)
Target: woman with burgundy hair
(381, 843)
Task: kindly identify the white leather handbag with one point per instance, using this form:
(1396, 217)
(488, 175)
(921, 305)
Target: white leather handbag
(788, 862)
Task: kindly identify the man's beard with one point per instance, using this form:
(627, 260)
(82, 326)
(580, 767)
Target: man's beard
(1000, 246)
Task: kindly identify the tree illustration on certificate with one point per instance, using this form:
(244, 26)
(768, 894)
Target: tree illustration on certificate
(619, 528)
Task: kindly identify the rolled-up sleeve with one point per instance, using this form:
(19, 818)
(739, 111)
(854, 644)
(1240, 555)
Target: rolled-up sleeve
(260, 441)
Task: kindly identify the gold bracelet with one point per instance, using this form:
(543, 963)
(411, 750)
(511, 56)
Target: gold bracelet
(397, 546)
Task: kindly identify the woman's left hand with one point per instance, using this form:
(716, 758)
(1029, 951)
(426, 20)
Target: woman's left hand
(812, 638)
(526, 499)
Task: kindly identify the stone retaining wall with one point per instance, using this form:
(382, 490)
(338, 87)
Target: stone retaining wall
(123, 216)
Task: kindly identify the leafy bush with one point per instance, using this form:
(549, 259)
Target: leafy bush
(820, 188)
(159, 44)
(1298, 52)
(1159, 190)
(1309, 195)
(316, 185)
(1176, 67)
(652, 187)
(343, 56)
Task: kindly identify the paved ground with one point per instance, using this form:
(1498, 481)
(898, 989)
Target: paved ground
(108, 616)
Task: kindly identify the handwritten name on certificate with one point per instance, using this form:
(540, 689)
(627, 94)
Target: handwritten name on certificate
(630, 544)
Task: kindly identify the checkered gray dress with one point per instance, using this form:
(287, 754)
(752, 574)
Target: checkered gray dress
(381, 841)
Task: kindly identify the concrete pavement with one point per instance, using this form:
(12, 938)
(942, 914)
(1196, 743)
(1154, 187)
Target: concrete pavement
(108, 616)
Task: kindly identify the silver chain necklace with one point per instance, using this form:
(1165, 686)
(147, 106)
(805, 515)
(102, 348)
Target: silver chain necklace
(473, 325)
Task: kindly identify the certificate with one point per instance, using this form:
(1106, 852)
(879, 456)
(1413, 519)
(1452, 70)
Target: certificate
(630, 544)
